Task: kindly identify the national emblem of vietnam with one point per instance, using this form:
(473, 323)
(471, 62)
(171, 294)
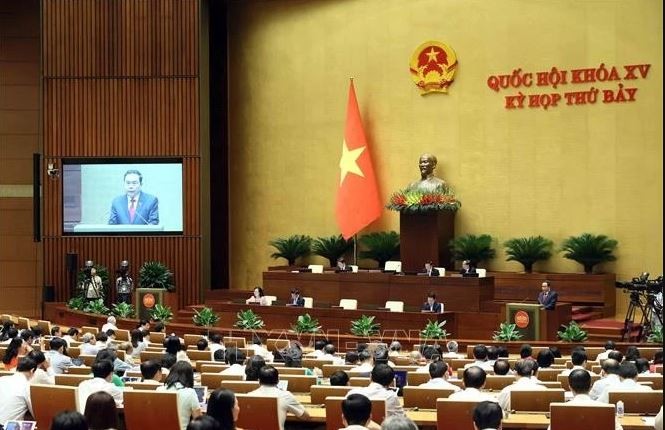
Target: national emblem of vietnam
(433, 66)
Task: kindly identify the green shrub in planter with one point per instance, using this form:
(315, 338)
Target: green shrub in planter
(434, 330)
(473, 248)
(248, 320)
(572, 333)
(364, 326)
(161, 313)
(291, 248)
(380, 246)
(528, 250)
(306, 324)
(332, 248)
(205, 317)
(589, 250)
(506, 333)
(123, 310)
(155, 274)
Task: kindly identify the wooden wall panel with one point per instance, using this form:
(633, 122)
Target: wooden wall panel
(121, 79)
(120, 38)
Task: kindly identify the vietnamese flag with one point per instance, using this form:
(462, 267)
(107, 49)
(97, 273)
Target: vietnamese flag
(358, 202)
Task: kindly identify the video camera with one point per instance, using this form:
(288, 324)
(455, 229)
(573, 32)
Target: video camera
(642, 283)
(123, 269)
(87, 270)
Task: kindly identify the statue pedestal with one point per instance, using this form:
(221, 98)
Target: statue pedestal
(425, 236)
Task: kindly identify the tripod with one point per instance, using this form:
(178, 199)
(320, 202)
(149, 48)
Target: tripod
(646, 306)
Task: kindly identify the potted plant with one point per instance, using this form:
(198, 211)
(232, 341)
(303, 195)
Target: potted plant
(589, 250)
(248, 320)
(364, 326)
(205, 317)
(506, 333)
(306, 324)
(380, 246)
(291, 248)
(332, 247)
(123, 310)
(473, 248)
(434, 330)
(572, 333)
(161, 313)
(656, 336)
(76, 303)
(96, 307)
(528, 250)
(155, 274)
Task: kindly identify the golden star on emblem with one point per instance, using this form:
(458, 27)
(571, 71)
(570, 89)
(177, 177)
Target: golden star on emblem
(433, 54)
(349, 161)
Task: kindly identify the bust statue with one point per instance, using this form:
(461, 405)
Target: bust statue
(427, 182)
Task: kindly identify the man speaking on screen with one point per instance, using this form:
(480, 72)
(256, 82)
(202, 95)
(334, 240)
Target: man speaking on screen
(134, 207)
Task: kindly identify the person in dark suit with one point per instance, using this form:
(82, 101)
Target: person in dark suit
(431, 305)
(430, 270)
(296, 300)
(135, 206)
(467, 267)
(547, 298)
(342, 266)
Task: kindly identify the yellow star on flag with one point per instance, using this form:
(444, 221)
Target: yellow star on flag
(433, 54)
(349, 161)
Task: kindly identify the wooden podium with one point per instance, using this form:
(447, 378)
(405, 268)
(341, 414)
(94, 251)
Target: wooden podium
(535, 323)
(425, 236)
(146, 299)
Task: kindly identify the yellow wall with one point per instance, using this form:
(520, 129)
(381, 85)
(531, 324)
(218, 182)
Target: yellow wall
(561, 172)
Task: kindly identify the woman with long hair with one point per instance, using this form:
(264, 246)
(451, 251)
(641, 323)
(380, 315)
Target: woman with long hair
(255, 363)
(181, 380)
(69, 420)
(15, 348)
(223, 406)
(101, 412)
(136, 339)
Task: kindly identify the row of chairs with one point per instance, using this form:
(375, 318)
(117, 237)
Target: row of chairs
(393, 266)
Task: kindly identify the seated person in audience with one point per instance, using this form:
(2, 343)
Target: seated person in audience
(138, 345)
(381, 356)
(235, 358)
(342, 266)
(431, 305)
(219, 355)
(452, 347)
(524, 381)
(101, 412)
(4, 331)
(87, 346)
(366, 363)
(128, 349)
(382, 377)
(268, 380)
(15, 348)
(329, 354)
(44, 373)
(480, 356)
(56, 331)
(395, 349)
(361, 346)
(159, 328)
(580, 384)
(430, 270)
(110, 324)
(578, 357)
(11, 333)
(628, 376)
(416, 359)
(258, 298)
(15, 391)
(216, 343)
(102, 372)
(102, 341)
(69, 420)
(657, 360)
(501, 367)
(642, 365)
(144, 325)
(295, 299)
(151, 372)
(545, 358)
(616, 355)
(474, 381)
(351, 358)
(181, 380)
(555, 352)
(29, 337)
(318, 348)
(609, 376)
(339, 379)
(438, 372)
(110, 354)
(431, 353)
(526, 352)
(492, 355)
(467, 268)
(201, 344)
(223, 407)
(57, 356)
(609, 347)
(487, 415)
(167, 362)
(254, 364)
(260, 349)
(632, 353)
(292, 356)
(502, 351)
(357, 413)
(175, 346)
(72, 335)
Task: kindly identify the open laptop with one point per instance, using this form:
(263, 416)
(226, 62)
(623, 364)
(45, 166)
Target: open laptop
(20, 425)
(201, 394)
(283, 384)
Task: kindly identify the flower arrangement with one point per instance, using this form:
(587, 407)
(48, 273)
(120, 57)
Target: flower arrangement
(415, 200)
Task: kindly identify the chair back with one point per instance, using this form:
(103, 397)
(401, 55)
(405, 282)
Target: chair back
(50, 400)
(89, 329)
(240, 386)
(79, 370)
(71, 380)
(298, 383)
(275, 345)
(593, 417)
(74, 351)
(455, 414)
(316, 268)
(318, 393)
(212, 368)
(257, 412)
(196, 355)
(639, 402)
(292, 371)
(348, 304)
(442, 271)
(122, 335)
(191, 339)
(358, 381)
(459, 363)
(548, 374)
(393, 265)
(498, 382)
(655, 378)
(309, 302)
(311, 363)
(152, 355)
(535, 400)
(329, 369)
(551, 384)
(395, 306)
(334, 412)
(234, 342)
(24, 323)
(271, 299)
(142, 385)
(354, 268)
(417, 378)
(424, 397)
(157, 337)
(87, 360)
(137, 402)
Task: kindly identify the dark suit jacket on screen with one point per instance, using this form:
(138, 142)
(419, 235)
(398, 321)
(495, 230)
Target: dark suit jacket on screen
(548, 302)
(147, 210)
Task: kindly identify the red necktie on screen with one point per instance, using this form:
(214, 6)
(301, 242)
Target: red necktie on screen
(132, 210)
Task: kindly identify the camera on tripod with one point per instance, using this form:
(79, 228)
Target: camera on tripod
(123, 269)
(87, 270)
(642, 283)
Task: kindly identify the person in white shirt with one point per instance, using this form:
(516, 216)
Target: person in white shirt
(151, 372)
(44, 373)
(216, 344)
(329, 354)
(431, 353)
(15, 391)
(609, 376)
(474, 381)
(268, 380)
(395, 349)
(366, 363)
(318, 349)
(87, 346)
(525, 381)
(487, 415)
(259, 349)
(181, 380)
(382, 378)
(102, 372)
(453, 348)
(235, 358)
(628, 376)
(110, 324)
(609, 347)
(438, 372)
(72, 335)
(103, 341)
(658, 423)
(580, 383)
(57, 357)
(480, 355)
(642, 366)
(356, 412)
(579, 358)
(258, 297)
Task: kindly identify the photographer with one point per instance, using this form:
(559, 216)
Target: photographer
(124, 285)
(92, 286)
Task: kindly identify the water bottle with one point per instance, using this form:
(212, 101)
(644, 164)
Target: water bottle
(619, 408)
